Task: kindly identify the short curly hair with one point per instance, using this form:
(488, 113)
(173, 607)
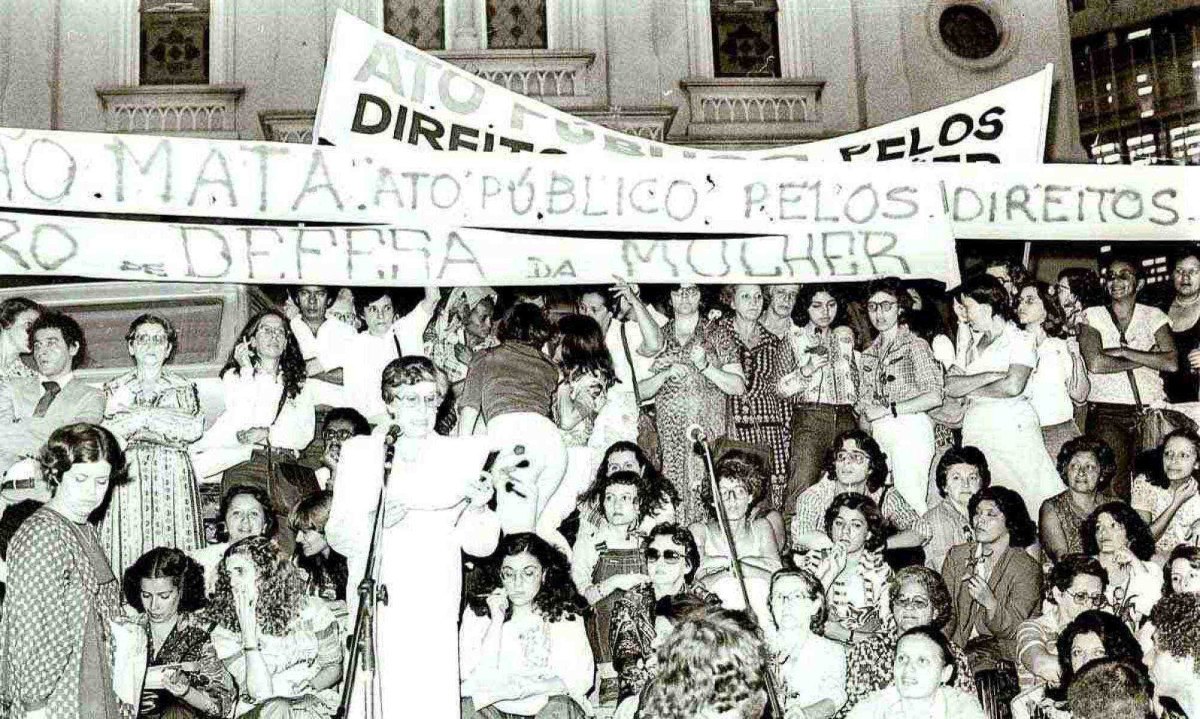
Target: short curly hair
(166, 563)
(877, 471)
(524, 322)
(78, 443)
(410, 370)
(70, 330)
(935, 587)
(962, 455)
(1022, 531)
(684, 538)
(1111, 689)
(1098, 448)
(1176, 621)
(749, 469)
(1181, 552)
(1114, 635)
(1137, 532)
(714, 661)
(280, 588)
(893, 286)
(813, 588)
(557, 600)
(864, 505)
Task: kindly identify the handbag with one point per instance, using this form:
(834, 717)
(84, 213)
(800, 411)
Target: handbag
(1153, 423)
(647, 425)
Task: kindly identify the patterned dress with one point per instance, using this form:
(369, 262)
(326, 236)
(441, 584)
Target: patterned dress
(633, 635)
(692, 400)
(189, 641)
(1071, 519)
(760, 416)
(55, 639)
(159, 505)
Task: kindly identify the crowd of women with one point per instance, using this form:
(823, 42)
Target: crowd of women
(966, 504)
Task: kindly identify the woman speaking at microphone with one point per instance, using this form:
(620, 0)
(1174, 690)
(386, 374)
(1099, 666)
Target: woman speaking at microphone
(434, 508)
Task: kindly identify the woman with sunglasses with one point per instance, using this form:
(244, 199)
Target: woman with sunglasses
(690, 380)
(899, 381)
(639, 625)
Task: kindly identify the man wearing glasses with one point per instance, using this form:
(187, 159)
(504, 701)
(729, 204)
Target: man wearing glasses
(33, 407)
(1077, 583)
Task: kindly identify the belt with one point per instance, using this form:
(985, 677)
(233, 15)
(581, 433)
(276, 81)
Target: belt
(823, 406)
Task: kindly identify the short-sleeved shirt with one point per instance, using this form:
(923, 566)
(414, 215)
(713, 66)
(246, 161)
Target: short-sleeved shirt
(1154, 500)
(511, 377)
(1113, 387)
(1013, 346)
(904, 369)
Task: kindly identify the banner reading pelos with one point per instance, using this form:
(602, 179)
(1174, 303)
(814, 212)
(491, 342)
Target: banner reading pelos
(379, 89)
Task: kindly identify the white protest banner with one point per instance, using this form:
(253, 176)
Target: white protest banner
(33, 244)
(280, 183)
(380, 89)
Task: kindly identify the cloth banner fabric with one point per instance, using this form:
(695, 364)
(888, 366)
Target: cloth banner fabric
(281, 183)
(381, 90)
(417, 256)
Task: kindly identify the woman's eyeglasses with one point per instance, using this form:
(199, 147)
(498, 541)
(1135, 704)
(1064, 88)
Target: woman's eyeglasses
(670, 556)
(150, 340)
(885, 306)
(1084, 598)
(852, 457)
(911, 603)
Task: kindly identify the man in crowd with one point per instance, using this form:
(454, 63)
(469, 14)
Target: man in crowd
(1174, 660)
(33, 407)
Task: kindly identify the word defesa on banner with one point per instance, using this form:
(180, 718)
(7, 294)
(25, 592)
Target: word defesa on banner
(379, 89)
(389, 255)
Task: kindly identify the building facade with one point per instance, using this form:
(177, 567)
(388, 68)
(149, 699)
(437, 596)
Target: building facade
(725, 73)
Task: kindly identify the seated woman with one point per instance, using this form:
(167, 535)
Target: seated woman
(1077, 583)
(1086, 465)
(811, 668)
(1093, 635)
(625, 456)
(55, 644)
(1181, 573)
(852, 569)
(1120, 539)
(994, 584)
(918, 598)
(960, 473)
(245, 512)
(742, 476)
(923, 668)
(640, 622)
(284, 649)
(855, 463)
(185, 680)
(1167, 500)
(523, 648)
(326, 569)
(610, 562)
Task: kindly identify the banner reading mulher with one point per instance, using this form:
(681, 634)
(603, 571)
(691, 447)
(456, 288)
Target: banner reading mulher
(378, 88)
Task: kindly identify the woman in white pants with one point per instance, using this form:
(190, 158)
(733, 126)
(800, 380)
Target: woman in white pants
(899, 381)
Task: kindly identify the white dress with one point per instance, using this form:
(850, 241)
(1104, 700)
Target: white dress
(420, 562)
(1007, 430)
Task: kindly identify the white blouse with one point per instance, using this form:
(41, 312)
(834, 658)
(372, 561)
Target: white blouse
(1047, 386)
(1114, 387)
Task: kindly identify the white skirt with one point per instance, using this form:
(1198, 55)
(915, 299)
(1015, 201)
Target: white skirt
(907, 441)
(1009, 434)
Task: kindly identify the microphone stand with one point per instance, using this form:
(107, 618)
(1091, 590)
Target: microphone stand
(735, 564)
(362, 641)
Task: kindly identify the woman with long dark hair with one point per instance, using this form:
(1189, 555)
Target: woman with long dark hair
(524, 647)
(1167, 500)
(1059, 380)
(17, 315)
(1121, 540)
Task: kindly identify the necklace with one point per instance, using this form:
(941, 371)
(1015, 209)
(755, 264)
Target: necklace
(1191, 303)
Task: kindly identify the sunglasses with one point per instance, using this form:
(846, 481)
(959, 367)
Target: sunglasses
(669, 556)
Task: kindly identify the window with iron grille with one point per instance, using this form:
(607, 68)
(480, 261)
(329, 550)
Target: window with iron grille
(516, 24)
(745, 38)
(174, 42)
(421, 23)
(1137, 89)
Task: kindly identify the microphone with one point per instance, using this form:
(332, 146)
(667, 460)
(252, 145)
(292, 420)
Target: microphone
(696, 433)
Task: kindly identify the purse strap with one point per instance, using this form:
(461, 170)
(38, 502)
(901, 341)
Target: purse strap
(1137, 396)
(637, 394)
